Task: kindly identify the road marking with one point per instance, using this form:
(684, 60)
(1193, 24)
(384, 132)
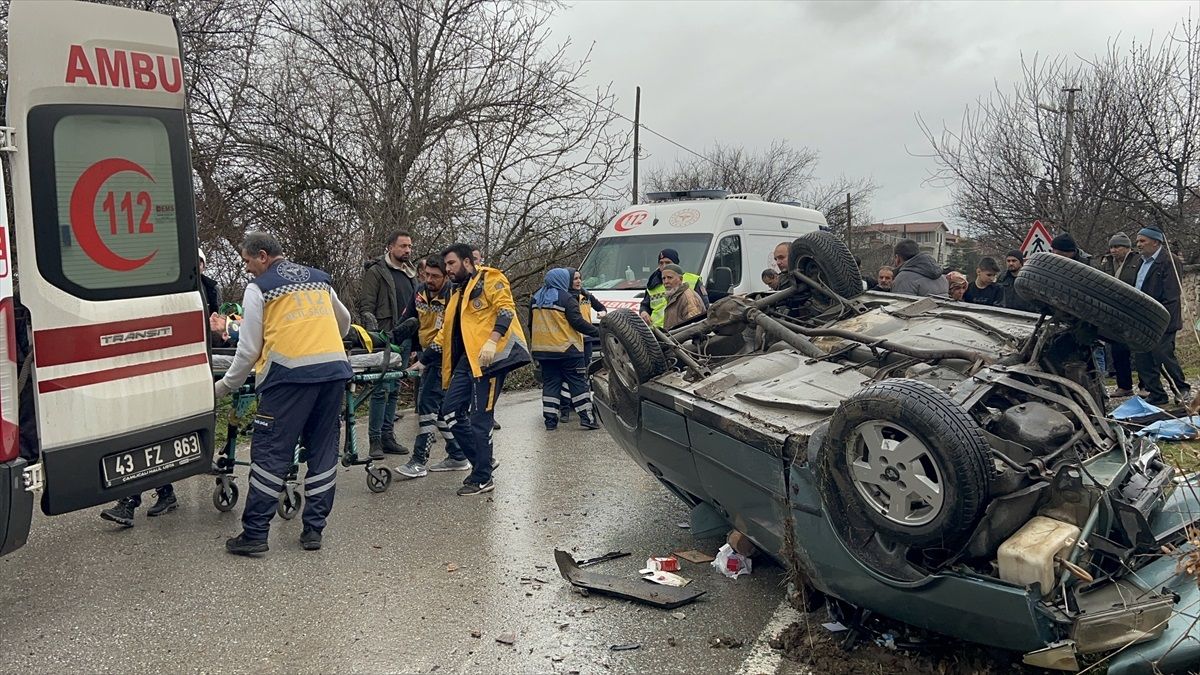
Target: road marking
(762, 659)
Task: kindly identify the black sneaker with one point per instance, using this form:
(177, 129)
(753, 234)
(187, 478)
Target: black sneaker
(551, 426)
(495, 426)
(310, 540)
(376, 451)
(240, 545)
(391, 447)
(120, 513)
(587, 421)
(475, 489)
(165, 504)
(564, 414)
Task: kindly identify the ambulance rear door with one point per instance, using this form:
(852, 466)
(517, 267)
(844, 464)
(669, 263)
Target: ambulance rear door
(106, 247)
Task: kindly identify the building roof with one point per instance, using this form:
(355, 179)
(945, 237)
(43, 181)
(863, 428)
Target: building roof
(910, 228)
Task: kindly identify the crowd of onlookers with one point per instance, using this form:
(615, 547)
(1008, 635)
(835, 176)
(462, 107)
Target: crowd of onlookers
(1142, 262)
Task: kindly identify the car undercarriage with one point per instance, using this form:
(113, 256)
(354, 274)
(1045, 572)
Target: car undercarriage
(947, 465)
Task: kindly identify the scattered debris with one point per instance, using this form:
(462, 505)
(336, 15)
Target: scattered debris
(507, 639)
(671, 641)
(665, 578)
(557, 658)
(626, 648)
(731, 563)
(451, 567)
(663, 563)
(611, 555)
(665, 597)
(679, 615)
(740, 543)
(834, 627)
(694, 556)
(683, 525)
(476, 633)
(725, 642)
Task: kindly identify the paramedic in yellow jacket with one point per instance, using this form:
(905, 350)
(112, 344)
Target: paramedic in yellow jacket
(556, 334)
(291, 335)
(479, 343)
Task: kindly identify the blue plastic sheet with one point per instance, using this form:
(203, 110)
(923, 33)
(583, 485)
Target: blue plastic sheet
(1173, 430)
(1135, 407)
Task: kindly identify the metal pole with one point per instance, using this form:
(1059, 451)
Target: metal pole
(637, 116)
(1068, 140)
(849, 232)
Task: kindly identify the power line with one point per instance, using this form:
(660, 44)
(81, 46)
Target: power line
(914, 213)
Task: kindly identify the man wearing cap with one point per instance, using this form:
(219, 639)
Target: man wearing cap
(1014, 260)
(1157, 278)
(1064, 245)
(654, 302)
(1122, 263)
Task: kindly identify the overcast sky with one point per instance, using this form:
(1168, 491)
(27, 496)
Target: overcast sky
(845, 78)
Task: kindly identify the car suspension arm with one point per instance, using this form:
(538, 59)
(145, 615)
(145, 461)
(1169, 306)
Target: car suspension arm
(888, 345)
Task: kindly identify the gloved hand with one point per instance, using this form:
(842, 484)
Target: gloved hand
(487, 354)
(370, 322)
(220, 390)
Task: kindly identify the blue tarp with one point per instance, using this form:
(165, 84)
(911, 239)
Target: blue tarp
(1173, 430)
(1135, 407)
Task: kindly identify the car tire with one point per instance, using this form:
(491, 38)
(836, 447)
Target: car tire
(822, 256)
(632, 356)
(1118, 311)
(905, 438)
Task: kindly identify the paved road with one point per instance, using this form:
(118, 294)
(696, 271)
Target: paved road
(84, 595)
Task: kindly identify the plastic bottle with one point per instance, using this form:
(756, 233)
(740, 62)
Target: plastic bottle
(629, 275)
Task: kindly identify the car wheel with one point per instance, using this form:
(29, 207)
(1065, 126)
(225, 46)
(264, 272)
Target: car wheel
(822, 256)
(632, 356)
(1118, 311)
(906, 463)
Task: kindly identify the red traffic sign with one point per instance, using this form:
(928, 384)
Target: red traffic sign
(1037, 240)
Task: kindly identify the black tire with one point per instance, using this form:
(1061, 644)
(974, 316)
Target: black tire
(1118, 311)
(822, 256)
(955, 456)
(225, 496)
(378, 479)
(632, 356)
(290, 503)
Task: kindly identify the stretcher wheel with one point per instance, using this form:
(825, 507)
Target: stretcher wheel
(290, 502)
(225, 495)
(378, 478)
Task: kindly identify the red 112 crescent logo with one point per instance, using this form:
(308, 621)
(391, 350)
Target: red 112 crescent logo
(83, 219)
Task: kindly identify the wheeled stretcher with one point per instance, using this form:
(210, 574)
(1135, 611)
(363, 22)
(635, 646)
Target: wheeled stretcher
(372, 367)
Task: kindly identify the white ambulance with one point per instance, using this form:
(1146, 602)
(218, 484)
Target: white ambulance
(727, 239)
(105, 237)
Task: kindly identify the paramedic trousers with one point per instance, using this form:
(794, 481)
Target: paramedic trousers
(431, 419)
(565, 394)
(557, 373)
(470, 409)
(290, 413)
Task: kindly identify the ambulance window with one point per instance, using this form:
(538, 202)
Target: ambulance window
(112, 202)
(729, 254)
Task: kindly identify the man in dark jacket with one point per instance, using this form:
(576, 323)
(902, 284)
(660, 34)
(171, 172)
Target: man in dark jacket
(1014, 260)
(917, 273)
(1156, 277)
(387, 298)
(1123, 263)
(1064, 245)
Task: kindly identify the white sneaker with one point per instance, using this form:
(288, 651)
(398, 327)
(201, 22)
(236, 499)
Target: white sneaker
(412, 470)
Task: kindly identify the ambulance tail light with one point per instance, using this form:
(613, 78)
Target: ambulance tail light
(8, 382)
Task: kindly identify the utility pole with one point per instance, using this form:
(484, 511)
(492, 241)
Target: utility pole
(849, 231)
(637, 116)
(1064, 179)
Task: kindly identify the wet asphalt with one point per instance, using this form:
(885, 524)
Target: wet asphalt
(404, 580)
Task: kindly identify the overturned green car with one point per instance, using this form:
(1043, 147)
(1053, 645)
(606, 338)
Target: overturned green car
(947, 465)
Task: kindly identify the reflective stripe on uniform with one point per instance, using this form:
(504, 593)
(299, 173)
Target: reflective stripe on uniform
(255, 483)
(316, 491)
(312, 480)
(265, 475)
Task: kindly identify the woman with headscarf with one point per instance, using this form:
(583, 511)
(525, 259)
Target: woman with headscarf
(557, 330)
(588, 306)
(957, 284)
(683, 302)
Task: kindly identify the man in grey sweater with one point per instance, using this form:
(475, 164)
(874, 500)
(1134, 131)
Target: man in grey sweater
(917, 273)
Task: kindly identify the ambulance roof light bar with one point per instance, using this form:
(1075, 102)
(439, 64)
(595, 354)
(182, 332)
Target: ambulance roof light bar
(682, 195)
